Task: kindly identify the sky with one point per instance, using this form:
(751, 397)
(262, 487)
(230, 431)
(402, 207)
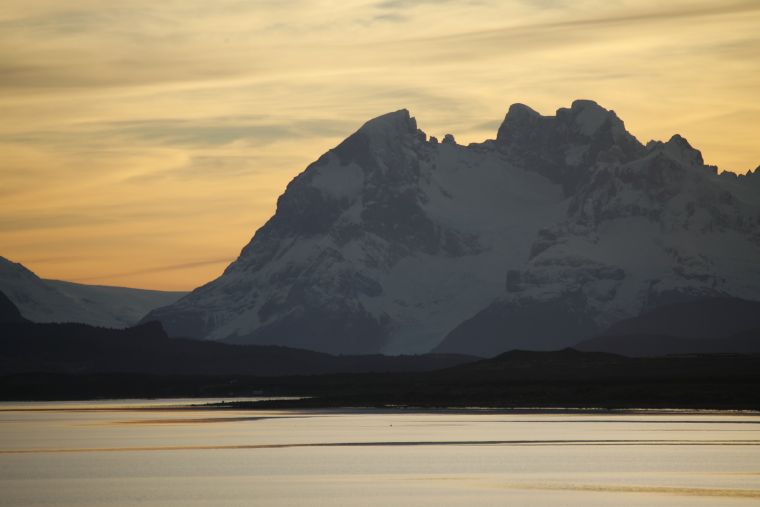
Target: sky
(142, 143)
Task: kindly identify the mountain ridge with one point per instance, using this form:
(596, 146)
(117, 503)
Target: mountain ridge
(392, 242)
(43, 300)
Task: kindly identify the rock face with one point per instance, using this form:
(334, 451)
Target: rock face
(562, 225)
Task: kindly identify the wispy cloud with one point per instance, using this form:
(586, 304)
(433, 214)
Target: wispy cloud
(207, 132)
(408, 4)
(156, 269)
(139, 129)
(550, 32)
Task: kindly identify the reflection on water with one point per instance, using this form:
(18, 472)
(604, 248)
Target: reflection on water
(158, 453)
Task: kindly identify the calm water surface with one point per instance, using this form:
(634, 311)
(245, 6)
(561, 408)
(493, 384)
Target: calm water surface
(151, 454)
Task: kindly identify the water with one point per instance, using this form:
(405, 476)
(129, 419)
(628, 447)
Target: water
(118, 454)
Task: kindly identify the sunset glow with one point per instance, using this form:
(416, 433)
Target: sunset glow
(143, 143)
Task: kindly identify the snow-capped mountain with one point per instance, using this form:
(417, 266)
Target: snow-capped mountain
(393, 242)
(57, 301)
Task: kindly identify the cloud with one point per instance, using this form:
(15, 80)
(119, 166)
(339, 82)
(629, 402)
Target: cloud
(54, 220)
(539, 31)
(197, 134)
(202, 167)
(156, 269)
(391, 17)
(255, 130)
(406, 4)
(164, 127)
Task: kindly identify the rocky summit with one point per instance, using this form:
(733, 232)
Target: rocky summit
(561, 226)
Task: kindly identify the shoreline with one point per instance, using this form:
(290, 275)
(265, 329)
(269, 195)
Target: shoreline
(230, 404)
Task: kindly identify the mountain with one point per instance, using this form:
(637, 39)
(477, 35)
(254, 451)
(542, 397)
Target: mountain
(395, 242)
(705, 318)
(56, 301)
(72, 348)
(655, 345)
(712, 325)
(8, 311)
(116, 306)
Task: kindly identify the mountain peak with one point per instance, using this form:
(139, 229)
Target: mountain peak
(381, 135)
(584, 117)
(397, 121)
(565, 146)
(10, 269)
(580, 104)
(518, 110)
(678, 149)
(519, 121)
(588, 116)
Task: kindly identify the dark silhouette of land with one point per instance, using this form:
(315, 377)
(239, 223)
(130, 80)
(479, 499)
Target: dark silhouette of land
(78, 348)
(567, 378)
(77, 361)
(704, 326)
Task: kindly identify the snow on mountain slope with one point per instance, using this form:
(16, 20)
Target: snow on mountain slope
(390, 240)
(57, 301)
(638, 234)
(117, 306)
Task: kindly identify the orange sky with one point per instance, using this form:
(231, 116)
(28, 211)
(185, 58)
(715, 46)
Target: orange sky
(144, 142)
